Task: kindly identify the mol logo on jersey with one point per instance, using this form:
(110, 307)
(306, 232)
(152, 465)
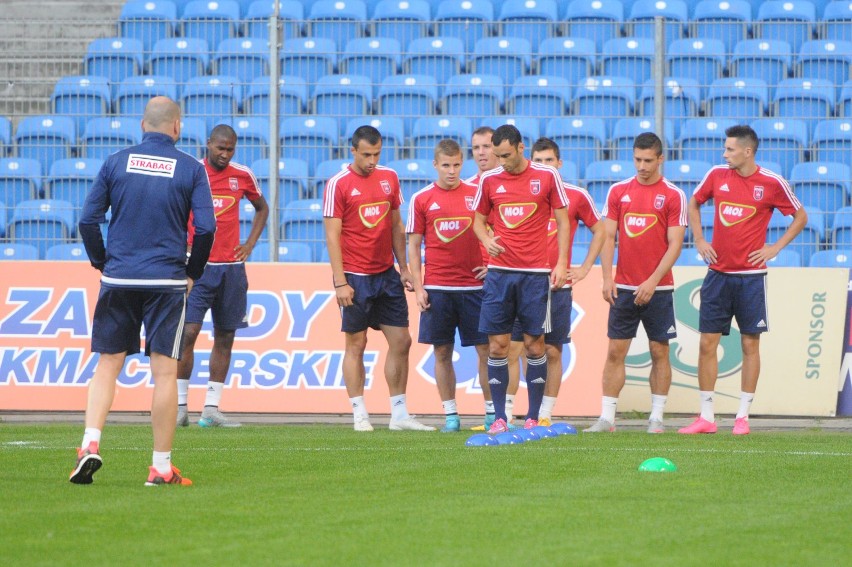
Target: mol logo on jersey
(636, 224)
(514, 214)
(222, 203)
(448, 229)
(551, 227)
(732, 213)
(372, 213)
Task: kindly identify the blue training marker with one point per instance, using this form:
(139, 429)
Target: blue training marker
(563, 428)
(480, 440)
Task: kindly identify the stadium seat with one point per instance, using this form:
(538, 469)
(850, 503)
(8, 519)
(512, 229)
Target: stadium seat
(292, 179)
(789, 20)
(81, 97)
(74, 251)
(373, 57)
(630, 57)
(391, 127)
(571, 58)
(597, 20)
(438, 57)
(252, 139)
(18, 252)
(533, 20)
(690, 256)
(302, 221)
(837, 258)
(45, 138)
(247, 214)
(844, 104)
(825, 59)
(809, 100)
(245, 58)
(824, 185)
(787, 258)
(20, 180)
(414, 174)
(114, 58)
(134, 93)
(528, 126)
(342, 96)
(312, 139)
(807, 242)
(309, 58)
(215, 98)
(148, 21)
(467, 20)
(42, 223)
(429, 130)
(104, 136)
(600, 175)
(703, 139)
(292, 92)
(5, 135)
(291, 14)
(624, 133)
(469, 169)
(841, 235)
(539, 95)
(213, 22)
(837, 21)
(737, 99)
(180, 58)
(407, 97)
(686, 174)
(193, 136)
(725, 20)
(569, 171)
(287, 252)
(606, 97)
(402, 20)
(642, 14)
(583, 136)
(682, 100)
(70, 180)
(697, 58)
(768, 60)
(832, 141)
(505, 57)
(340, 20)
(473, 95)
(783, 141)
(325, 171)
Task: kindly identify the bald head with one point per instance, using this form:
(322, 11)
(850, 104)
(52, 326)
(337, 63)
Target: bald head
(162, 115)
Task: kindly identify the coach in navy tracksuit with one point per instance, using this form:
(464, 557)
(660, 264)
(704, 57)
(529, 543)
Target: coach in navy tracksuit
(151, 189)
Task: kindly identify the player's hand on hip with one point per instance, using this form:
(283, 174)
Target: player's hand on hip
(243, 251)
(480, 272)
(760, 257)
(345, 295)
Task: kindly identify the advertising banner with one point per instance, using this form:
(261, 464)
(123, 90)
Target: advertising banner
(844, 388)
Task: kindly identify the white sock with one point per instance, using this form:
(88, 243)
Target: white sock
(162, 461)
(359, 408)
(398, 408)
(658, 404)
(608, 408)
(183, 391)
(450, 407)
(707, 406)
(89, 435)
(745, 404)
(489, 406)
(547, 403)
(214, 394)
(510, 406)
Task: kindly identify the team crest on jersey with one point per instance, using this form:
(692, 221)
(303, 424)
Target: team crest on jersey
(551, 227)
(535, 186)
(448, 229)
(468, 202)
(385, 186)
(758, 192)
(636, 224)
(659, 201)
(733, 213)
(234, 183)
(372, 213)
(514, 214)
(222, 203)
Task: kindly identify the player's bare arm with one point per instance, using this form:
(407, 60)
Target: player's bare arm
(261, 213)
(705, 249)
(559, 274)
(608, 290)
(480, 228)
(576, 274)
(398, 233)
(415, 266)
(760, 257)
(646, 289)
(344, 292)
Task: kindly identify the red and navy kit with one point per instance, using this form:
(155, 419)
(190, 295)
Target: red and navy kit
(644, 214)
(445, 219)
(742, 209)
(364, 205)
(581, 207)
(522, 208)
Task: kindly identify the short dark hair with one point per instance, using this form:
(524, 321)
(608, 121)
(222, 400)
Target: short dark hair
(508, 133)
(744, 134)
(482, 130)
(543, 144)
(648, 141)
(223, 131)
(447, 147)
(367, 133)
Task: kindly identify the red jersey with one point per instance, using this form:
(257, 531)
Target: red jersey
(521, 205)
(743, 207)
(581, 207)
(364, 205)
(445, 219)
(228, 187)
(644, 214)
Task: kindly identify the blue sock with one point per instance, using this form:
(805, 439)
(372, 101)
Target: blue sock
(536, 378)
(498, 381)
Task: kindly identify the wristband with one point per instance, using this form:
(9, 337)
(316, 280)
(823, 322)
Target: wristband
(341, 285)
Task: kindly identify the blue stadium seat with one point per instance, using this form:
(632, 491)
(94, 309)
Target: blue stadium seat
(402, 20)
(686, 174)
(252, 139)
(600, 175)
(787, 258)
(539, 95)
(703, 139)
(430, 130)
(837, 258)
(571, 58)
(707, 218)
(768, 60)
(473, 95)
(597, 20)
(810, 100)
(391, 127)
(134, 93)
(583, 136)
(373, 57)
(438, 57)
(73, 251)
(408, 97)
(825, 185)
(630, 57)
(193, 136)
(309, 58)
(844, 103)
(469, 169)
(342, 96)
(20, 180)
(808, 241)
(697, 58)
(841, 235)
(42, 223)
(213, 22)
(80, 97)
(728, 21)
(528, 126)
(505, 57)
(216, 98)
(180, 58)
(341, 20)
(569, 171)
(624, 133)
(18, 252)
(414, 174)
(325, 171)
(247, 214)
(181, 5)
(292, 179)
(45, 138)
(690, 256)
(737, 99)
(245, 6)
(245, 58)
(606, 97)
(837, 21)
(287, 252)
(313, 139)
(782, 140)
(114, 58)
(5, 135)
(292, 92)
(682, 100)
(291, 14)
(302, 221)
(825, 59)
(789, 20)
(467, 20)
(148, 21)
(70, 180)
(832, 141)
(533, 20)
(104, 136)
(642, 14)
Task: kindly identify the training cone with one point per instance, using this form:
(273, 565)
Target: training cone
(563, 428)
(527, 435)
(658, 464)
(545, 431)
(480, 440)
(508, 438)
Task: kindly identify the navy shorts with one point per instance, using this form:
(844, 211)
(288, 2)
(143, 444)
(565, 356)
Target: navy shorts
(224, 290)
(120, 313)
(657, 316)
(451, 310)
(509, 295)
(725, 296)
(561, 303)
(379, 300)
